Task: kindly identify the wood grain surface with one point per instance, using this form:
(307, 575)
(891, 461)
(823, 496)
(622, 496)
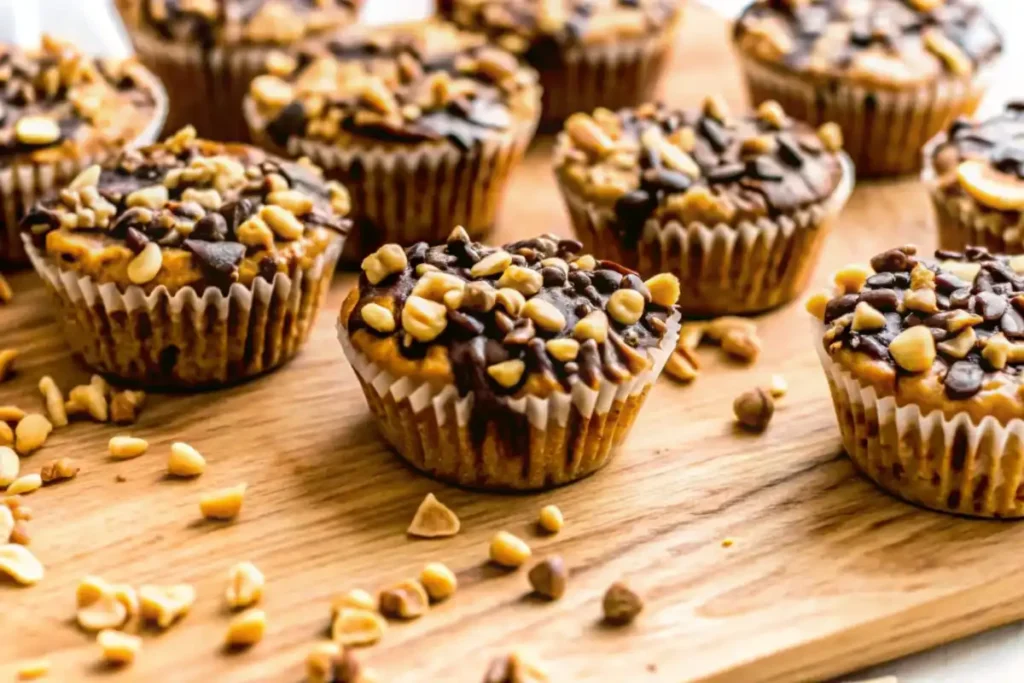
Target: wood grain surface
(827, 574)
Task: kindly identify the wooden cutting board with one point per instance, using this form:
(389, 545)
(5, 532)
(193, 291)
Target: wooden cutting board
(826, 574)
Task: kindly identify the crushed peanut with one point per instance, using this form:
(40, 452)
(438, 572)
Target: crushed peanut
(378, 317)
(185, 461)
(548, 577)
(551, 519)
(126, 447)
(11, 414)
(31, 433)
(851, 279)
(754, 409)
(621, 605)
(246, 629)
(117, 647)
(18, 562)
(508, 550)
(354, 626)
(223, 504)
(59, 470)
(245, 585)
(405, 600)
(320, 662)
(100, 607)
(439, 580)
(914, 349)
(815, 304)
(433, 520)
(626, 306)
(25, 484)
(6, 434)
(6, 524)
(163, 605)
(54, 401)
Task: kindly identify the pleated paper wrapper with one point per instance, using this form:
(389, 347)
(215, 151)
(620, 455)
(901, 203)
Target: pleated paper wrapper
(963, 222)
(571, 434)
(407, 193)
(722, 269)
(883, 130)
(189, 339)
(21, 186)
(944, 463)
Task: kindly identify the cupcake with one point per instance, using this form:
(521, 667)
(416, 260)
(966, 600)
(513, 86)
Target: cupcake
(891, 73)
(609, 53)
(422, 122)
(59, 113)
(924, 358)
(738, 207)
(975, 175)
(188, 263)
(517, 367)
(207, 51)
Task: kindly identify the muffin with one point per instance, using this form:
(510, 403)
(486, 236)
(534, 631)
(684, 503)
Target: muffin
(924, 359)
(589, 53)
(891, 73)
(517, 367)
(738, 207)
(60, 112)
(422, 122)
(188, 263)
(207, 51)
(975, 176)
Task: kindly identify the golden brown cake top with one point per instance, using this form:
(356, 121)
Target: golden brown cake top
(946, 333)
(534, 316)
(884, 43)
(522, 25)
(238, 22)
(56, 103)
(984, 160)
(190, 213)
(704, 166)
(409, 83)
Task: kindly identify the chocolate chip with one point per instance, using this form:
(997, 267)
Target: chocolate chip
(553, 276)
(218, 257)
(870, 346)
(591, 293)
(963, 380)
(468, 323)
(881, 281)
(523, 332)
(235, 213)
(135, 240)
(765, 168)
(606, 281)
(840, 306)
(210, 228)
(417, 253)
(268, 268)
(727, 173)
(883, 300)
(569, 247)
(290, 121)
(961, 298)
(714, 132)
(664, 180)
(989, 306)
(789, 152)
(1012, 324)
(947, 283)
(579, 280)
(892, 261)
(634, 281)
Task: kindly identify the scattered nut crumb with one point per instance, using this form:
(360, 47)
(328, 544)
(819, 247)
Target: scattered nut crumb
(7, 358)
(778, 386)
(439, 580)
(126, 447)
(353, 626)
(551, 519)
(59, 470)
(120, 478)
(185, 461)
(516, 667)
(356, 598)
(6, 293)
(548, 577)
(31, 433)
(18, 562)
(125, 406)
(727, 542)
(100, 606)
(163, 605)
(509, 550)
(223, 504)
(117, 647)
(36, 668)
(245, 585)
(25, 484)
(405, 600)
(246, 629)
(10, 466)
(621, 605)
(54, 400)
(433, 520)
(754, 409)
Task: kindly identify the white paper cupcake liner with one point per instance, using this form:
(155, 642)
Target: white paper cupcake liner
(722, 269)
(964, 222)
(946, 463)
(409, 193)
(188, 339)
(883, 130)
(563, 437)
(22, 185)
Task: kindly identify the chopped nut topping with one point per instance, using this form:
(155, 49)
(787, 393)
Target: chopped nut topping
(508, 550)
(59, 470)
(621, 605)
(492, 264)
(626, 306)
(507, 373)
(405, 600)
(867, 317)
(320, 662)
(146, 265)
(754, 409)
(185, 461)
(550, 519)
(851, 279)
(354, 626)
(439, 581)
(549, 577)
(544, 314)
(378, 317)
(664, 289)
(246, 629)
(6, 434)
(18, 562)
(163, 605)
(245, 585)
(433, 520)
(127, 447)
(37, 130)
(223, 504)
(914, 349)
(386, 261)
(117, 647)
(424, 319)
(25, 484)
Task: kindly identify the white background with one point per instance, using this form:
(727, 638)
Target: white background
(994, 656)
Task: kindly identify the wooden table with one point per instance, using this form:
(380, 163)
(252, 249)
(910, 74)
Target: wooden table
(827, 574)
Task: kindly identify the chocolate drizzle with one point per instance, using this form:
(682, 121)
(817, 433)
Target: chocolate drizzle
(998, 140)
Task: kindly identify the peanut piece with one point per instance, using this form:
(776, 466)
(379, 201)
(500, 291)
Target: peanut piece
(153, 197)
(356, 598)
(621, 605)
(778, 386)
(246, 629)
(592, 326)
(867, 317)
(719, 327)
(89, 177)
(921, 300)
(851, 279)
(185, 461)
(223, 504)
(92, 399)
(959, 346)
(563, 350)
(145, 267)
(550, 519)
(626, 306)
(6, 293)
(54, 401)
(245, 585)
(423, 319)
(7, 523)
(515, 668)
(433, 520)
(544, 314)
(492, 264)
(127, 447)
(59, 470)
(256, 233)
(10, 465)
(742, 345)
(507, 373)
(282, 221)
(99, 607)
(352, 626)
(508, 550)
(18, 562)
(378, 317)
(524, 280)
(405, 600)
(25, 484)
(117, 647)
(588, 136)
(681, 367)
(33, 669)
(163, 605)
(320, 663)
(772, 113)
(439, 581)
(37, 130)
(664, 289)
(716, 108)
(816, 303)
(124, 406)
(831, 136)
(386, 261)
(511, 300)
(914, 349)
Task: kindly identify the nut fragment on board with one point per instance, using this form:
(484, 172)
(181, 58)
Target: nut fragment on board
(185, 461)
(33, 669)
(163, 605)
(9, 413)
(54, 400)
(90, 399)
(356, 598)
(18, 562)
(59, 470)
(126, 447)
(6, 293)
(509, 550)
(125, 406)
(778, 386)
(7, 358)
(745, 346)
(754, 409)
(516, 667)
(223, 504)
(551, 519)
(246, 629)
(117, 647)
(439, 580)
(433, 519)
(10, 466)
(354, 626)
(31, 433)
(405, 600)
(26, 483)
(99, 605)
(548, 577)
(245, 585)
(620, 604)
(6, 434)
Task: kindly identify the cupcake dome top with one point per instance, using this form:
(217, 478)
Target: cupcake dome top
(985, 159)
(190, 213)
(882, 43)
(56, 103)
(238, 22)
(699, 166)
(932, 331)
(400, 84)
(534, 316)
(520, 25)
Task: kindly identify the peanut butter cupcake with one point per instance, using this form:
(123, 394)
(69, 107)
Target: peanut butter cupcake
(738, 207)
(188, 263)
(517, 367)
(924, 358)
(589, 53)
(60, 112)
(422, 122)
(975, 175)
(207, 51)
(891, 73)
